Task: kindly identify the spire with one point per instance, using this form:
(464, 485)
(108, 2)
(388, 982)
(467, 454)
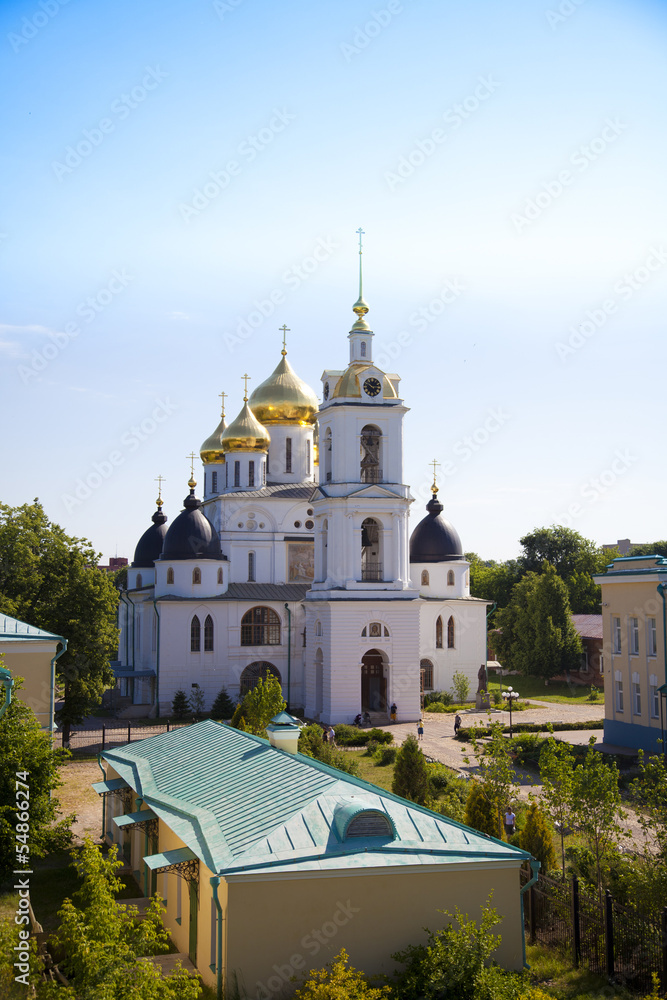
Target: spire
(284, 330)
(245, 390)
(434, 507)
(434, 487)
(360, 307)
(191, 481)
(160, 502)
(223, 397)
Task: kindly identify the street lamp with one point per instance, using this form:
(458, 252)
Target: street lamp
(511, 695)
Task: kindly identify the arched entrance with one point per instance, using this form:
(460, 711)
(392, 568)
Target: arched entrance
(373, 682)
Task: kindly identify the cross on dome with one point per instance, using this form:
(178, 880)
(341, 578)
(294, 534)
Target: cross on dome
(245, 390)
(434, 487)
(159, 480)
(223, 397)
(285, 330)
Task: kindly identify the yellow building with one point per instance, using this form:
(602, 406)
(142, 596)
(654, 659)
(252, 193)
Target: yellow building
(634, 651)
(270, 862)
(31, 653)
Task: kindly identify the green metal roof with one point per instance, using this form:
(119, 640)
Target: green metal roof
(129, 819)
(154, 862)
(240, 804)
(12, 628)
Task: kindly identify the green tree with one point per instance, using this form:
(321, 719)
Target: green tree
(180, 706)
(223, 706)
(574, 559)
(312, 745)
(536, 838)
(197, 700)
(649, 792)
(650, 549)
(597, 804)
(339, 981)
(52, 581)
(480, 813)
(411, 777)
(556, 771)
(536, 635)
(259, 706)
(26, 750)
(491, 580)
(495, 772)
(460, 686)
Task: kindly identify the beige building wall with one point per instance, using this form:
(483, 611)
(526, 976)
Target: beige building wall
(31, 659)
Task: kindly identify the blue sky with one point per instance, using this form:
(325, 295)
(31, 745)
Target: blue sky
(171, 167)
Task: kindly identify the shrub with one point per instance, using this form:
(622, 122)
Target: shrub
(223, 706)
(180, 706)
(435, 706)
(312, 745)
(460, 686)
(350, 736)
(480, 813)
(385, 755)
(497, 697)
(527, 747)
(445, 697)
(536, 838)
(338, 980)
(411, 773)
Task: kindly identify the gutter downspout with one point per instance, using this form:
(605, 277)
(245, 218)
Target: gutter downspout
(215, 882)
(157, 663)
(535, 868)
(289, 653)
(52, 707)
(104, 798)
(661, 590)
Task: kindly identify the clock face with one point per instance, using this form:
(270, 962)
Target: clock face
(372, 387)
(326, 390)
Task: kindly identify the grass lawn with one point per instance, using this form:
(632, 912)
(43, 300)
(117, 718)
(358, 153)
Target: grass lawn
(533, 687)
(553, 971)
(370, 771)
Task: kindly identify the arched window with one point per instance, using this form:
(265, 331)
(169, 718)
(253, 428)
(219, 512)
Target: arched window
(318, 628)
(254, 671)
(251, 567)
(426, 671)
(214, 482)
(450, 633)
(450, 578)
(195, 635)
(371, 551)
(424, 578)
(260, 627)
(139, 583)
(364, 632)
(220, 575)
(196, 575)
(328, 456)
(208, 634)
(170, 575)
(371, 438)
(438, 633)
(363, 348)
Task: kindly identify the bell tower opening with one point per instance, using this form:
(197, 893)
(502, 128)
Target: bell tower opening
(372, 570)
(371, 445)
(327, 455)
(373, 682)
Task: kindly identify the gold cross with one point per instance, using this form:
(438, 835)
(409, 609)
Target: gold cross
(160, 480)
(285, 330)
(223, 397)
(434, 488)
(360, 233)
(245, 378)
(192, 456)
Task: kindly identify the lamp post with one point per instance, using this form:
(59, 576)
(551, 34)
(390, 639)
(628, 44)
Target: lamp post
(510, 695)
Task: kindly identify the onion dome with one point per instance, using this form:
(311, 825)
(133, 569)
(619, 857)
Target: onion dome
(191, 536)
(434, 539)
(211, 450)
(150, 544)
(246, 433)
(284, 398)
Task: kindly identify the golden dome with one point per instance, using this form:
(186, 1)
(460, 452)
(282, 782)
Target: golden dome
(211, 450)
(246, 433)
(284, 399)
(349, 384)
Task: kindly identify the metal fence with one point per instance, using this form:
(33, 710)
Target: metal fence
(621, 942)
(92, 741)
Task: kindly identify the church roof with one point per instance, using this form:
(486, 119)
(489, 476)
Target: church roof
(435, 539)
(150, 544)
(254, 592)
(281, 491)
(284, 398)
(191, 536)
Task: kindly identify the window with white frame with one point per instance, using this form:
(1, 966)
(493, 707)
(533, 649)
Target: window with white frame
(633, 636)
(618, 690)
(616, 634)
(654, 696)
(651, 637)
(636, 694)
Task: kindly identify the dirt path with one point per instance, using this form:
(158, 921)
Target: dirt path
(77, 796)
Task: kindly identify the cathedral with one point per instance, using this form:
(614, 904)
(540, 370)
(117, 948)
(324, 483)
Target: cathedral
(298, 563)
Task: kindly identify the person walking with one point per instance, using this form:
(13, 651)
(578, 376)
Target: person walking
(332, 736)
(510, 821)
(394, 711)
(457, 723)
(420, 730)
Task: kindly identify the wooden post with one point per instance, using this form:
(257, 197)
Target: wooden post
(609, 932)
(576, 924)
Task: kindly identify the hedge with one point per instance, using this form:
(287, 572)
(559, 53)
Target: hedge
(528, 727)
(351, 736)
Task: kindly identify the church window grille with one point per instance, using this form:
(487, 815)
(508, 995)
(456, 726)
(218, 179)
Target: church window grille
(371, 439)
(214, 482)
(371, 551)
(307, 458)
(363, 348)
(288, 454)
(260, 627)
(424, 578)
(208, 634)
(426, 671)
(251, 473)
(195, 635)
(170, 575)
(254, 671)
(369, 824)
(450, 578)
(450, 633)
(220, 575)
(263, 473)
(139, 581)
(438, 633)
(251, 567)
(237, 473)
(196, 575)
(328, 455)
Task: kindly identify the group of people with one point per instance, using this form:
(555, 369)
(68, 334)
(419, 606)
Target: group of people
(361, 720)
(329, 736)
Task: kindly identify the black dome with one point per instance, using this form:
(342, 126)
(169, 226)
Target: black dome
(191, 536)
(435, 539)
(150, 544)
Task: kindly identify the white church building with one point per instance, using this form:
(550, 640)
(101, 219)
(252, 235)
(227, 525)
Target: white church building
(300, 565)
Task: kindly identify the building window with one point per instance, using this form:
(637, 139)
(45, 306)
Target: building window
(450, 633)
(652, 637)
(371, 442)
(170, 575)
(139, 581)
(618, 688)
(251, 473)
(426, 671)
(371, 551)
(364, 632)
(363, 348)
(208, 634)
(263, 473)
(251, 567)
(307, 458)
(251, 675)
(196, 575)
(214, 482)
(195, 635)
(328, 455)
(260, 627)
(654, 696)
(220, 575)
(450, 578)
(424, 578)
(438, 633)
(386, 632)
(616, 634)
(237, 473)
(318, 628)
(288, 454)
(636, 695)
(634, 636)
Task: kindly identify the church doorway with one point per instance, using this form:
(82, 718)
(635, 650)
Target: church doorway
(373, 682)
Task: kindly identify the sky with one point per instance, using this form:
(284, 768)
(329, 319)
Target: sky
(180, 179)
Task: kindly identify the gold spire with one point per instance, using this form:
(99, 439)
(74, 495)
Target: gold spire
(283, 398)
(434, 487)
(160, 502)
(360, 307)
(245, 390)
(223, 397)
(191, 481)
(285, 330)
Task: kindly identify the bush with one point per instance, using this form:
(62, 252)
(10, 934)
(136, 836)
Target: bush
(444, 697)
(460, 686)
(223, 706)
(497, 697)
(180, 706)
(528, 747)
(312, 745)
(481, 814)
(435, 706)
(479, 732)
(340, 980)
(411, 773)
(536, 838)
(385, 755)
(350, 736)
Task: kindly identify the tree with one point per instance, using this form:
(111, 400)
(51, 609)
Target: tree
(223, 706)
(312, 745)
(339, 981)
(536, 838)
(259, 706)
(556, 771)
(460, 686)
(491, 580)
(180, 706)
(411, 778)
(597, 803)
(574, 559)
(650, 549)
(26, 750)
(197, 700)
(480, 813)
(649, 792)
(52, 581)
(536, 634)
(496, 776)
